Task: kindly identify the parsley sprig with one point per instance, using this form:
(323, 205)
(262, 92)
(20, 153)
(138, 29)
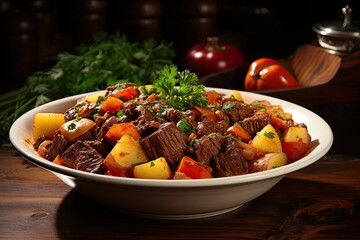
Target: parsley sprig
(179, 89)
(109, 60)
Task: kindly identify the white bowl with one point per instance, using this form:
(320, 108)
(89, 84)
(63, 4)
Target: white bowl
(173, 199)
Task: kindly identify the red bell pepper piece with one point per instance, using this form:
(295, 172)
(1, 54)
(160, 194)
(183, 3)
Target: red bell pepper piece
(192, 169)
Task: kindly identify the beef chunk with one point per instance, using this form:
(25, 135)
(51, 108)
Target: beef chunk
(106, 126)
(99, 146)
(84, 157)
(144, 114)
(130, 109)
(58, 146)
(175, 115)
(81, 109)
(147, 128)
(208, 147)
(237, 111)
(168, 142)
(255, 123)
(207, 126)
(38, 141)
(230, 162)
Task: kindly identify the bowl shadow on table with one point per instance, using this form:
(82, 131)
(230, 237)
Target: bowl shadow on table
(337, 101)
(277, 217)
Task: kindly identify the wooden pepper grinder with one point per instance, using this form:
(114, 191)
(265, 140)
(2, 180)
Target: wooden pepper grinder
(140, 19)
(46, 30)
(19, 49)
(197, 22)
(90, 16)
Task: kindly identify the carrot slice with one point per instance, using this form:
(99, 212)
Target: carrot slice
(117, 130)
(111, 105)
(238, 131)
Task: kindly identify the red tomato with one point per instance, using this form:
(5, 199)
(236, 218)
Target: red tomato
(294, 150)
(204, 59)
(192, 169)
(126, 94)
(267, 74)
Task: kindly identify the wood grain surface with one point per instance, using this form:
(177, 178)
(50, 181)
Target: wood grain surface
(320, 201)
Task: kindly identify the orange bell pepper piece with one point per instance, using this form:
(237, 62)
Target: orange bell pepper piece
(111, 105)
(279, 123)
(208, 113)
(213, 97)
(57, 160)
(238, 131)
(117, 130)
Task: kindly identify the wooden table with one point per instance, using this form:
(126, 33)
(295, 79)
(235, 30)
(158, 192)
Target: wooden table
(321, 201)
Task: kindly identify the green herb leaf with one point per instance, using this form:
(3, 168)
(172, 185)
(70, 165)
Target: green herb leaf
(179, 89)
(269, 135)
(184, 126)
(111, 59)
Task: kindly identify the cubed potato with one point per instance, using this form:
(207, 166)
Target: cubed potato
(45, 124)
(297, 134)
(145, 87)
(268, 161)
(155, 169)
(235, 94)
(277, 111)
(267, 140)
(94, 97)
(126, 153)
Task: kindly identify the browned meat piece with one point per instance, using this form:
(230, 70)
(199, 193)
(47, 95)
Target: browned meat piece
(237, 111)
(208, 147)
(207, 126)
(99, 146)
(175, 115)
(38, 141)
(255, 123)
(230, 162)
(168, 142)
(106, 126)
(82, 156)
(147, 128)
(58, 146)
(83, 109)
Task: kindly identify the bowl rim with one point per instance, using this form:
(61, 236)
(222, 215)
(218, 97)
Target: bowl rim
(323, 147)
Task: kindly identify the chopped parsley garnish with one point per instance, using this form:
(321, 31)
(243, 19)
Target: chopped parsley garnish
(269, 135)
(179, 89)
(194, 142)
(228, 106)
(71, 126)
(80, 105)
(184, 126)
(120, 113)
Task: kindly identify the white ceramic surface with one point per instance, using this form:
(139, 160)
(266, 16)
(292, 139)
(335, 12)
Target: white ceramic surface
(173, 199)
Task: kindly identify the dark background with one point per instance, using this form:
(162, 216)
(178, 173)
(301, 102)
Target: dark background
(34, 31)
